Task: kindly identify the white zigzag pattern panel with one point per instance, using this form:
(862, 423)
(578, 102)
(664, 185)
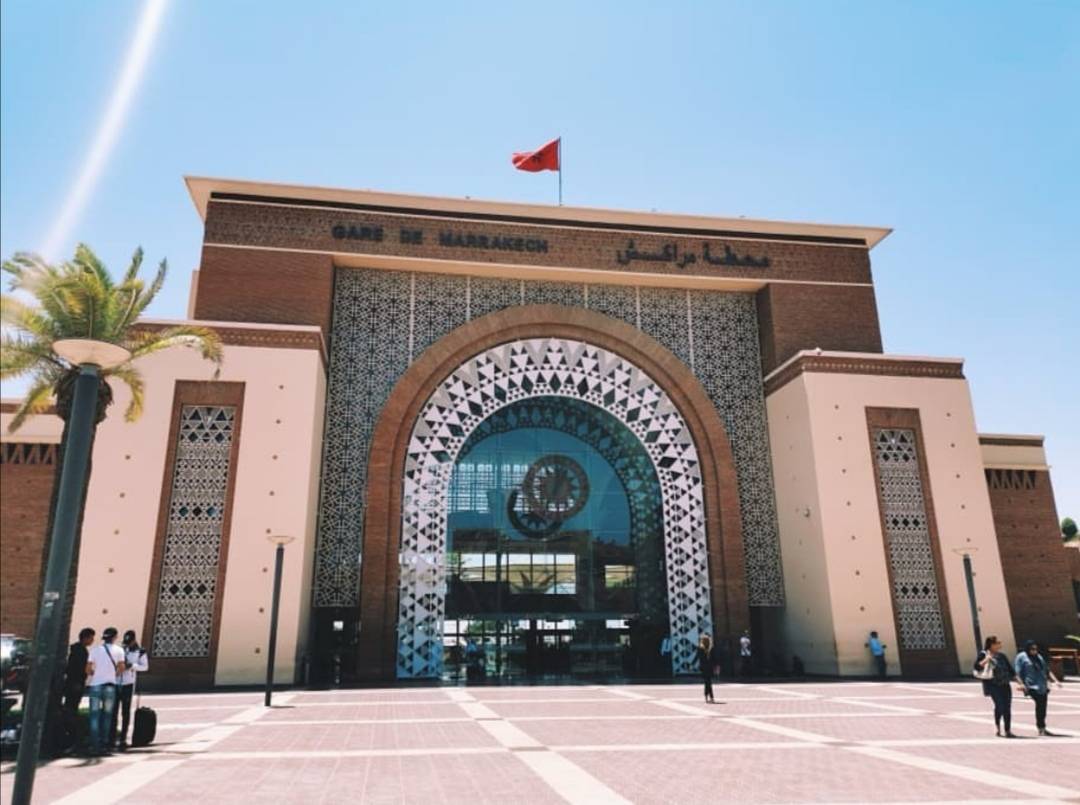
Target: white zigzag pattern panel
(533, 368)
(184, 622)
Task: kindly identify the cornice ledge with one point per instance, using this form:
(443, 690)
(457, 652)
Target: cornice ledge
(859, 363)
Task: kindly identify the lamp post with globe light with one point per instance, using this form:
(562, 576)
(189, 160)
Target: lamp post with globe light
(89, 359)
(279, 560)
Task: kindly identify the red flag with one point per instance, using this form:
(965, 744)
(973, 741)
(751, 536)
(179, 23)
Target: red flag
(544, 158)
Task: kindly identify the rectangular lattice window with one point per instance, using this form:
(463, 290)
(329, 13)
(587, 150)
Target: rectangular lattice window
(184, 620)
(907, 534)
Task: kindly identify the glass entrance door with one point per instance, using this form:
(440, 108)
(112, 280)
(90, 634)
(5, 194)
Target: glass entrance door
(555, 549)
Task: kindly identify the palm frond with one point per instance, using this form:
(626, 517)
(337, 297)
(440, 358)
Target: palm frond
(17, 314)
(36, 401)
(154, 288)
(91, 263)
(133, 378)
(27, 270)
(19, 355)
(203, 339)
(133, 269)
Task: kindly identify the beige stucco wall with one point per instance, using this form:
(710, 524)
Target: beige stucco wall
(1018, 456)
(807, 622)
(831, 427)
(45, 428)
(282, 417)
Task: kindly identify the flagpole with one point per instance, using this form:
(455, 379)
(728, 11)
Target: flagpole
(560, 171)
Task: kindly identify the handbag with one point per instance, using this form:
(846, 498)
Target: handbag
(986, 672)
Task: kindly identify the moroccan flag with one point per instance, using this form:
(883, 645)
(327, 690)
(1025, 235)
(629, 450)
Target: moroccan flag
(544, 158)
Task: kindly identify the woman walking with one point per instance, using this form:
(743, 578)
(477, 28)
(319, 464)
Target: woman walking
(995, 671)
(706, 657)
(1036, 677)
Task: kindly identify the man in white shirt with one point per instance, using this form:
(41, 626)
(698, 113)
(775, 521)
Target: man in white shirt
(105, 667)
(745, 653)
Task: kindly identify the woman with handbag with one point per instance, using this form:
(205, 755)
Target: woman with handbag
(995, 671)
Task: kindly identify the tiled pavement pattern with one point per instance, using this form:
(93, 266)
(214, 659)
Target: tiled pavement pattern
(817, 742)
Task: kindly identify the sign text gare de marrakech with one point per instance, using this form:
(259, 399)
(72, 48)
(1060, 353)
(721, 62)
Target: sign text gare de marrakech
(672, 255)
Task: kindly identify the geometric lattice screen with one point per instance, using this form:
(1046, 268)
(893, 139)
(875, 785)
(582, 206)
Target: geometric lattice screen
(513, 373)
(911, 556)
(384, 320)
(185, 609)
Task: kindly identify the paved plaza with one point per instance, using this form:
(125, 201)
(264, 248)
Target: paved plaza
(814, 742)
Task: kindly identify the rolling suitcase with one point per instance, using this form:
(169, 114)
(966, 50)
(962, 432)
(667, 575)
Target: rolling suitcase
(144, 727)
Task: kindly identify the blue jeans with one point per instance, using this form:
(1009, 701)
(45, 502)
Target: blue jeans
(102, 703)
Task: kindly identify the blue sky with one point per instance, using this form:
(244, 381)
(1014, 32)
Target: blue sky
(956, 124)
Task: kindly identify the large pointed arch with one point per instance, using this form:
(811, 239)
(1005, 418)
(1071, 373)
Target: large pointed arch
(568, 332)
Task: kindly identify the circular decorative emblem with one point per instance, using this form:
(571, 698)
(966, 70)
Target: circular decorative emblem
(527, 522)
(555, 488)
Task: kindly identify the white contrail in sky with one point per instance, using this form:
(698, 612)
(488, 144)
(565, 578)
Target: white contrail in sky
(112, 123)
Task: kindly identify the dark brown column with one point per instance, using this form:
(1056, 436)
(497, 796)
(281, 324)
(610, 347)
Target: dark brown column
(1038, 568)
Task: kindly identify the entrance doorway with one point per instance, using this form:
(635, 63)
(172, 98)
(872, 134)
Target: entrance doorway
(555, 560)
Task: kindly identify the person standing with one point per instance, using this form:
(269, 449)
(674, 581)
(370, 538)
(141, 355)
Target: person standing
(105, 668)
(745, 654)
(75, 685)
(135, 661)
(877, 651)
(1036, 678)
(996, 686)
(706, 657)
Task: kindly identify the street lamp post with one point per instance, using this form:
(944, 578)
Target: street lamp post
(969, 576)
(279, 560)
(90, 357)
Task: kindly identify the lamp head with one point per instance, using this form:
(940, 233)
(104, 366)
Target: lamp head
(280, 539)
(81, 351)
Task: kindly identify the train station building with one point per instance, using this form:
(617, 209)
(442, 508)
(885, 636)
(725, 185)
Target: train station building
(553, 442)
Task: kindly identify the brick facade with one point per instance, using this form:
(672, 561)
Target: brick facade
(27, 470)
(250, 285)
(833, 317)
(813, 294)
(1039, 570)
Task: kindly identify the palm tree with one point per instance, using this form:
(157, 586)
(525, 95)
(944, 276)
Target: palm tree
(76, 299)
(79, 299)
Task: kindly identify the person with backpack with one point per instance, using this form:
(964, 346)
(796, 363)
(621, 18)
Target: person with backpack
(105, 667)
(995, 671)
(1036, 677)
(135, 661)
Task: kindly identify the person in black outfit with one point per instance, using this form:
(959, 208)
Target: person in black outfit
(75, 683)
(135, 662)
(997, 687)
(706, 656)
